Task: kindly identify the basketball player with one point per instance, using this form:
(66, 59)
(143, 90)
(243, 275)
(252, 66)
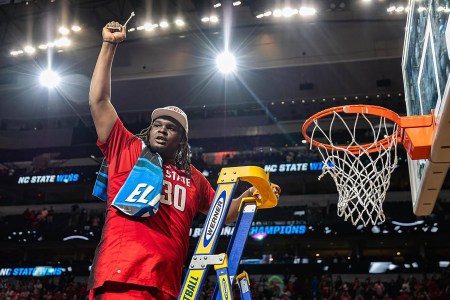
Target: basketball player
(142, 257)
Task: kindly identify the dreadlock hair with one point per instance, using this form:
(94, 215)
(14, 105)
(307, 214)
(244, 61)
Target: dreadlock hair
(183, 155)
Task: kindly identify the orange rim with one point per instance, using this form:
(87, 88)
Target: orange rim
(403, 122)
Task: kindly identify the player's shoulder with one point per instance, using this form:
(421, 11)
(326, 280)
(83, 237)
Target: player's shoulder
(195, 171)
(197, 176)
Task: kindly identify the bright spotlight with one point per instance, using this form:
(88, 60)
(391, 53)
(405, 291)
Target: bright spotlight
(226, 63)
(213, 19)
(277, 13)
(62, 42)
(49, 78)
(307, 11)
(164, 24)
(76, 28)
(29, 49)
(63, 30)
(148, 27)
(179, 22)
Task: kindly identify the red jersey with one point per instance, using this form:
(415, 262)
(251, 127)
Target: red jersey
(147, 251)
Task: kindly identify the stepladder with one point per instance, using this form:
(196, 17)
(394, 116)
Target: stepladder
(226, 264)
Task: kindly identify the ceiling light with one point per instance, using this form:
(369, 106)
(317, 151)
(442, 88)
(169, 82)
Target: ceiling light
(179, 22)
(226, 63)
(400, 9)
(63, 30)
(49, 78)
(62, 42)
(307, 11)
(287, 12)
(29, 49)
(148, 27)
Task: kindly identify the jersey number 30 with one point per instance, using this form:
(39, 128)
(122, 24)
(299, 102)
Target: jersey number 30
(173, 195)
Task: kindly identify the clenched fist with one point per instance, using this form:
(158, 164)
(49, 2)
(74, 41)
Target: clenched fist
(113, 35)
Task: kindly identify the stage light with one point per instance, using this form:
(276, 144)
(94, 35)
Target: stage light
(164, 24)
(237, 3)
(62, 42)
(213, 19)
(277, 13)
(76, 28)
(179, 22)
(42, 46)
(148, 26)
(217, 5)
(421, 9)
(307, 11)
(29, 49)
(205, 19)
(400, 9)
(49, 78)
(131, 29)
(259, 16)
(226, 63)
(63, 30)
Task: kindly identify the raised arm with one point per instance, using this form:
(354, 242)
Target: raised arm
(102, 110)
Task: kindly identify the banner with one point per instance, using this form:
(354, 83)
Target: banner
(62, 178)
(37, 271)
(295, 167)
(268, 230)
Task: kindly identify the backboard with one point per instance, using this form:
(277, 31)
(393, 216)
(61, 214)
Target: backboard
(425, 67)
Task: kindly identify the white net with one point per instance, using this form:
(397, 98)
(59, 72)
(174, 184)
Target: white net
(362, 175)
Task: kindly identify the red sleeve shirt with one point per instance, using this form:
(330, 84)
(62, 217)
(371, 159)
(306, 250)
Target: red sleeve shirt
(147, 251)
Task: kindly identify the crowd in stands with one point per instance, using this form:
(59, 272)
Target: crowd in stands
(78, 218)
(327, 287)
(263, 287)
(61, 288)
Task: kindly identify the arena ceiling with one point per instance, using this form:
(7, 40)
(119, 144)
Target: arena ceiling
(343, 50)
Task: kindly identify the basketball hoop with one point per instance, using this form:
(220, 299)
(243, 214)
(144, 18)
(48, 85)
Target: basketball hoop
(359, 150)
